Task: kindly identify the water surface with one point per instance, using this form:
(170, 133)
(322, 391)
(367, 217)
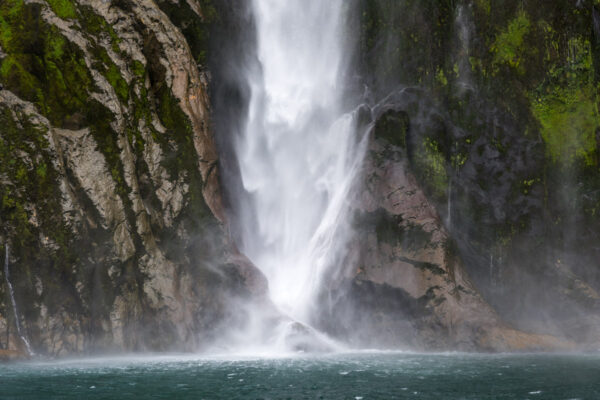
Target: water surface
(343, 376)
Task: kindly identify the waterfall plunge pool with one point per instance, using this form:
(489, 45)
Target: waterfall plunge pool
(367, 375)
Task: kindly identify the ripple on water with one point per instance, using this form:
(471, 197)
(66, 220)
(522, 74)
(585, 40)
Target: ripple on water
(354, 376)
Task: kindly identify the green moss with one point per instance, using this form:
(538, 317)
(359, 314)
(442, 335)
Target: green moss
(509, 46)
(117, 82)
(527, 185)
(94, 26)
(183, 156)
(55, 47)
(45, 68)
(138, 69)
(430, 164)
(64, 9)
(29, 184)
(105, 65)
(440, 77)
(5, 32)
(41, 170)
(457, 160)
(566, 106)
(10, 11)
(42, 66)
(569, 119)
(31, 193)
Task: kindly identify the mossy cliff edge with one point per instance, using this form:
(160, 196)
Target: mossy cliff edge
(109, 197)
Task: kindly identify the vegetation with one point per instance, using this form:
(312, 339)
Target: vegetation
(510, 46)
(505, 106)
(41, 65)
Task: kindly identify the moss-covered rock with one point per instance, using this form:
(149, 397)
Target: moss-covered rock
(503, 135)
(104, 155)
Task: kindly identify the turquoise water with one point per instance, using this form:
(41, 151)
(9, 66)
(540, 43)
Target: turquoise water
(343, 376)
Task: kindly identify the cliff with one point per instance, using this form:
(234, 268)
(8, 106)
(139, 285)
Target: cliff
(494, 106)
(477, 215)
(110, 202)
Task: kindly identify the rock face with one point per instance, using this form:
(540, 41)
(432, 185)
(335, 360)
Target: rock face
(476, 215)
(110, 191)
(496, 109)
(409, 288)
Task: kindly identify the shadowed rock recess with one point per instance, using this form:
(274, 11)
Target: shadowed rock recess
(477, 215)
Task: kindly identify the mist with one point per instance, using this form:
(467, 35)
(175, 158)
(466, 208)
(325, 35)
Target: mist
(507, 211)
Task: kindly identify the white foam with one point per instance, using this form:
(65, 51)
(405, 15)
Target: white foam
(299, 152)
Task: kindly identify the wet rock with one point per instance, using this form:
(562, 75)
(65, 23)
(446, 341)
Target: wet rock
(12, 355)
(409, 287)
(301, 338)
(115, 203)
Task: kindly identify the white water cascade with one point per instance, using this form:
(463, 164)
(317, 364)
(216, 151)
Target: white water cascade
(300, 150)
(11, 293)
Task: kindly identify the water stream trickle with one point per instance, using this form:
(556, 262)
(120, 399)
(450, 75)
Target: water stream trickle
(13, 301)
(300, 150)
(449, 206)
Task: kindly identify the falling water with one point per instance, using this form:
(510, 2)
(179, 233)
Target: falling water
(300, 150)
(492, 281)
(11, 292)
(449, 206)
(463, 29)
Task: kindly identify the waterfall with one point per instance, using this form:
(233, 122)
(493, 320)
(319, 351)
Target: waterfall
(492, 282)
(299, 151)
(11, 292)
(464, 28)
(449, 205)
